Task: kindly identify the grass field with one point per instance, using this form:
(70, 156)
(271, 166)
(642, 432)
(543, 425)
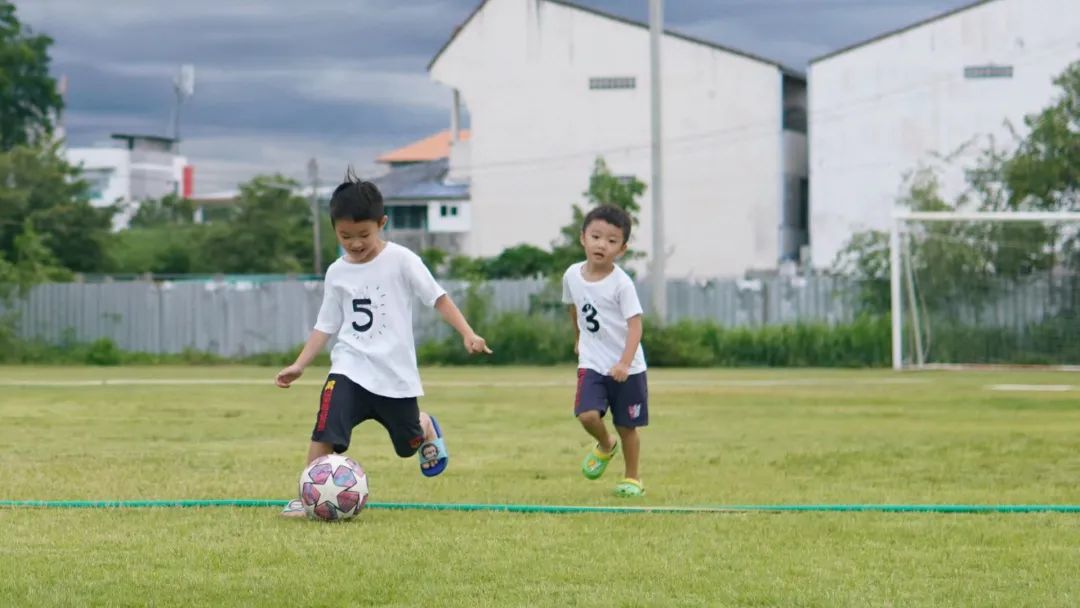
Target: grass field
(717, 438)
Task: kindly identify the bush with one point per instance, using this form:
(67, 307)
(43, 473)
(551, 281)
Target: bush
(517, 339)
(541, 340)
(862, 343)
(103, 352)
(546, 339)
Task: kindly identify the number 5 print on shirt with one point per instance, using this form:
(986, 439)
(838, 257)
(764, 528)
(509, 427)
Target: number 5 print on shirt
(363, 306)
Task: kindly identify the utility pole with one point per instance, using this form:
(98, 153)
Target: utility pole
(657, 275)
(184, 87)
(316, 220)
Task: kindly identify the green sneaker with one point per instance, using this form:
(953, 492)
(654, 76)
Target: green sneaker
(596, 461)
(629, 488)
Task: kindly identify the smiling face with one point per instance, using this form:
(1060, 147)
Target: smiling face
(430, 452)
(359, 239)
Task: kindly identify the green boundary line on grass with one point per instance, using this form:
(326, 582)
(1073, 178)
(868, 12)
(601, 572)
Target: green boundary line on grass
(410, 506)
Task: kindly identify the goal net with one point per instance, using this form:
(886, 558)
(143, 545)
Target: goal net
(990, 288)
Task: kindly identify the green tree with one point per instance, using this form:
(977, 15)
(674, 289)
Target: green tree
(42, 187)
(161, 238)
(32, 262)
(169, 210)
(865, 260)
(168, 249)
(434, 258)
(269, 230)
(518, 262)
(465, 268)
(605, 188)
(962, 263)
(28, 95)
(522, 261)
(1044, 172)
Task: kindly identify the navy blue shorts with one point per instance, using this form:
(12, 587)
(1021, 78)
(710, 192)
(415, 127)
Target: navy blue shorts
(628, 401)
(343, 404)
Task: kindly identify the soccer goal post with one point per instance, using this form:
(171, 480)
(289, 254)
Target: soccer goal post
(985, 288)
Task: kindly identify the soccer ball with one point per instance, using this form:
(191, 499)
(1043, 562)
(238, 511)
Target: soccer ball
(333, 487)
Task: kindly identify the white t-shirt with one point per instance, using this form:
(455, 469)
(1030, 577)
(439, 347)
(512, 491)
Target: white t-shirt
(369, 307)
(603, 308)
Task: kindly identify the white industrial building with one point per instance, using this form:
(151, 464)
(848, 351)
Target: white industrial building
(550, 86)
(134, 169)
(932, 94)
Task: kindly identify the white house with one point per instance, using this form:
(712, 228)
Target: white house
(424, 206)
(932, 94)
(425, 209)
(550, 86)
(137, 168)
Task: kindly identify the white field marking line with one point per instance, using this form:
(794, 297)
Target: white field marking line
(452, 383)
(1033, 388)
(962, 367)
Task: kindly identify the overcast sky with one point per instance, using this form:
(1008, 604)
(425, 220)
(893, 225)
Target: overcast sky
(280, 81)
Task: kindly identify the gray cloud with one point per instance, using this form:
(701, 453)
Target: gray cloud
(280, 81)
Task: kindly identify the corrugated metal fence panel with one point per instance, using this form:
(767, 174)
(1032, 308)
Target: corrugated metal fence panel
(240, 318)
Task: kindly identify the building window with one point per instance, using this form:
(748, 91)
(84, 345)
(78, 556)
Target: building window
(448, 211)
(407, 217)
(608, 83)
(988, 71)
(98, 181)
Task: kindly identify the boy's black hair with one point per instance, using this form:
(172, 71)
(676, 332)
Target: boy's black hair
(357, 200)
(611, 214)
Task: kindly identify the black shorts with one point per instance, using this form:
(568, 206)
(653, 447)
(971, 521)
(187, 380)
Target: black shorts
(628, 401)
(344, 404)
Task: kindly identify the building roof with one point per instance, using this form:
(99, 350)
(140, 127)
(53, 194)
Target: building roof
(787, 70)
(430, 148)
(901, 30)
(158, 138)
(420, 181)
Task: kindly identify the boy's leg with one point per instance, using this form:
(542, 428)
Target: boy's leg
(590, 404)
(339, 411)
(317, 449)
(594, 425)
(630, 411)
(631, 449)
(411, 431)
(428, 428)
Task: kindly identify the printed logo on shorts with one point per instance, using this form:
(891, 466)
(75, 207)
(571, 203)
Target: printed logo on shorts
(416, 441)
(635, 411)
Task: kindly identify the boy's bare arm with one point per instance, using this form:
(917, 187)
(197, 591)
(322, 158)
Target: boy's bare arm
(316, 342)
(452, 315)
(621, 371)
(577, 330)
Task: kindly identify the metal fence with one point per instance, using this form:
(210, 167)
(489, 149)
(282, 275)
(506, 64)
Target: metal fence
(238, 317)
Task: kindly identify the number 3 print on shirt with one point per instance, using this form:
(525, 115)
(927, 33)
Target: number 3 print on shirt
(591, 322)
